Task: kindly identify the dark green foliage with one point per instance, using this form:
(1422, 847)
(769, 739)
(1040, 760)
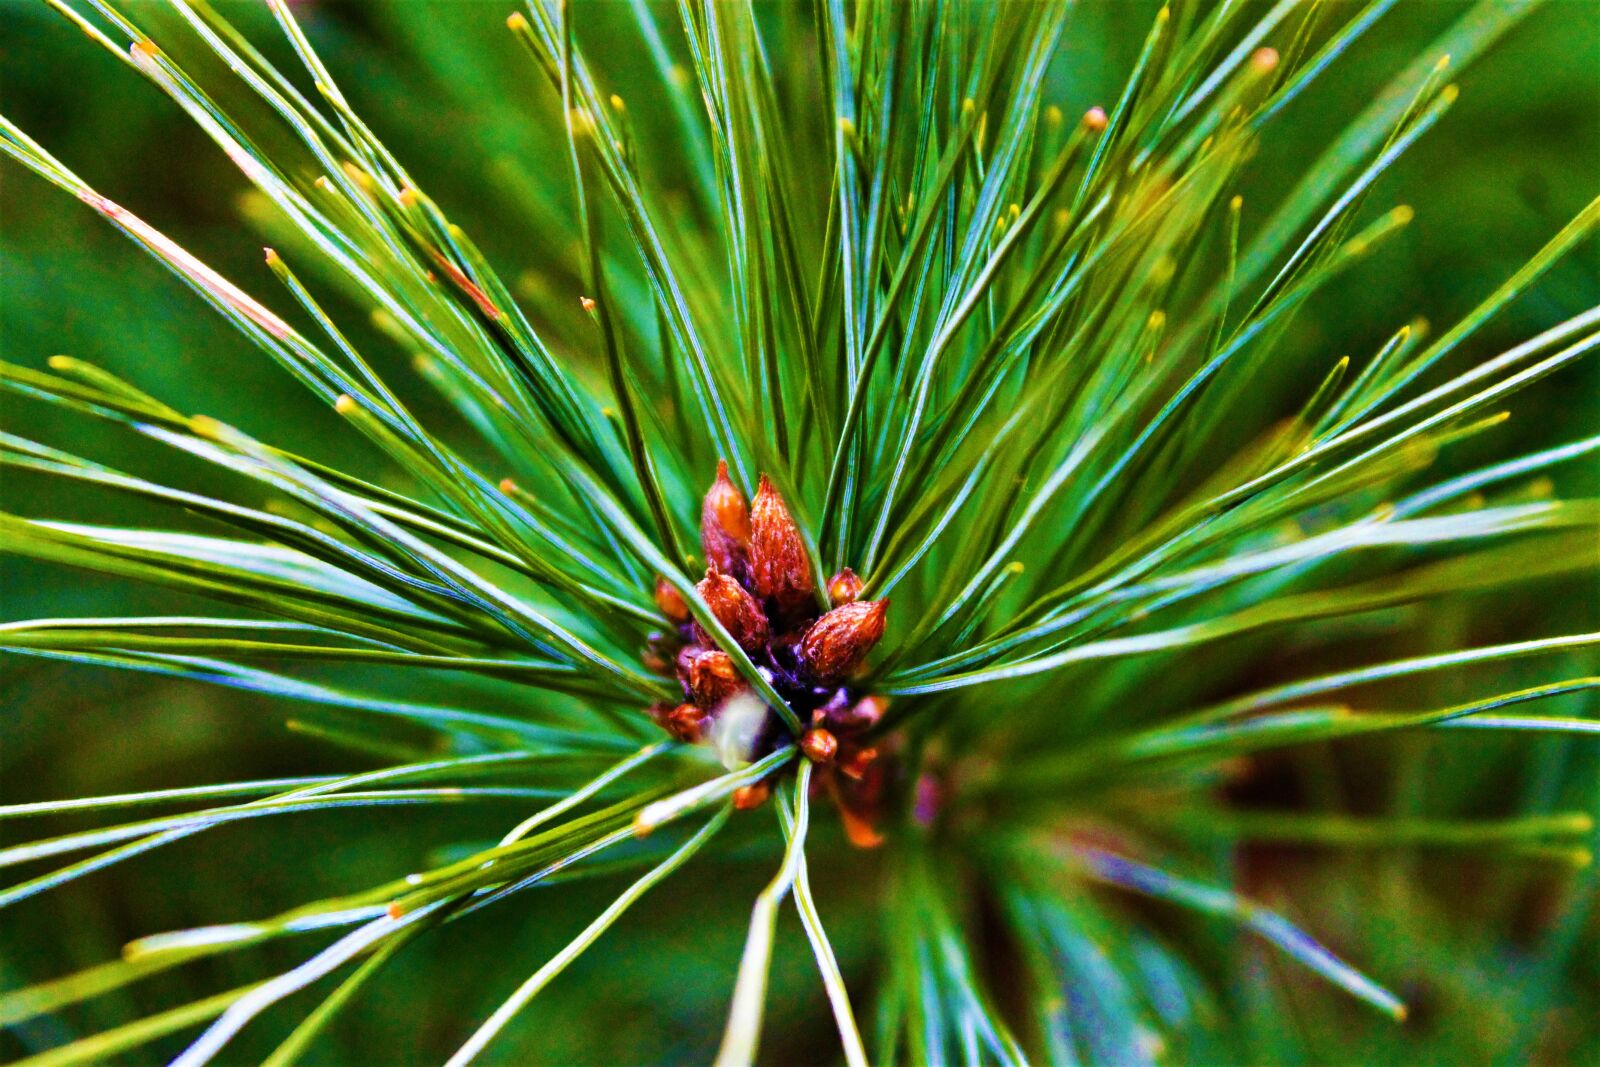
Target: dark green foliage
(1241, 653)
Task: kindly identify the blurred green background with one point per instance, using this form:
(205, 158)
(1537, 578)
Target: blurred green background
(1503, 962)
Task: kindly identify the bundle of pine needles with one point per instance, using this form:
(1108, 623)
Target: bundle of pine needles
(884, 446)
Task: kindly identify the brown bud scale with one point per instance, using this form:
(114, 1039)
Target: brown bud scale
(687, 723)
(849, 719)
(858, 828)
(853, 762)
(751, 796)
(670, 601)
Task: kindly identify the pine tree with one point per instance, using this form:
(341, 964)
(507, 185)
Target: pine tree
(888, 467)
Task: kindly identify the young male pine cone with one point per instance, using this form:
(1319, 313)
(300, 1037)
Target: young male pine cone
(835, 644)
(760, 587)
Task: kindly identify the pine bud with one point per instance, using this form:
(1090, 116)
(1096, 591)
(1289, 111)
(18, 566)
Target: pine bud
(687, 723)
(670, 601)
(653, 659)
(725, 525)
(751, 796)
(864, 714)
(819, 745)
(684, 722)
(684, 660)
(836, 644)
(859, 806)
(844, 587)
(858, 829)
(735, 609)
(847, 716)
(778, 564)
(713, 678)
(855, 761)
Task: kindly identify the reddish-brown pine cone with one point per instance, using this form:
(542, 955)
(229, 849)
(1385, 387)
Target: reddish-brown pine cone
(725, 525)
(735, 609)
(836, 644)
(779, 567)
(713, 678)
(670, 601)
(844, 587)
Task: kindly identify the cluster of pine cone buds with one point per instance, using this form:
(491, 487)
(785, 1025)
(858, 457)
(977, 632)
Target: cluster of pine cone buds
(759, 586)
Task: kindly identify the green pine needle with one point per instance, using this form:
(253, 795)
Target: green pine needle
(1197, 581)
